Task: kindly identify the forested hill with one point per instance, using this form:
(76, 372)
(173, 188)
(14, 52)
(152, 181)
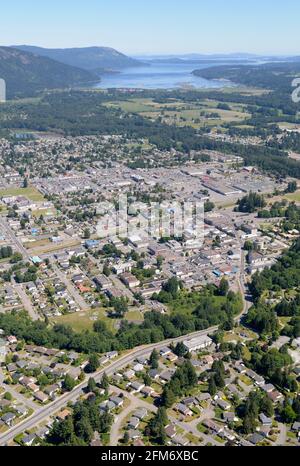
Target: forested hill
(26, 74)
(274, 76)
(88, 58)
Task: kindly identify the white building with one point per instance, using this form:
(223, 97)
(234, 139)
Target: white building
(197, 343)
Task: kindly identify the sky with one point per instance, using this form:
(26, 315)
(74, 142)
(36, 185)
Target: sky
(139, 27)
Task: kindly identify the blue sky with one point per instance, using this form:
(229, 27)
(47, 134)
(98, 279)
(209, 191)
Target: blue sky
(155, 26)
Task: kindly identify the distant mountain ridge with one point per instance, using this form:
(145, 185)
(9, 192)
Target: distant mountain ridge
(26, 73)
(98, 59)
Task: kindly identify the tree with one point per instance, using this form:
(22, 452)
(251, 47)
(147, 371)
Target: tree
(292, 187)
(168, 397)
(212, 388)
(8, 396)
(288, 414)
(104, 382)
(223, 287)
(180, 350)
(154, 359)
(93, 363)
(249, 424)
(68, 383)
(126, 438)
(86, 233)
(266, 406)
(92, 386)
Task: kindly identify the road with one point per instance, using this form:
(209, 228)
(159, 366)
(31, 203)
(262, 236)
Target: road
(44, 412)
(16, 395)
(15, 241)
(26, 301)
(71, 289)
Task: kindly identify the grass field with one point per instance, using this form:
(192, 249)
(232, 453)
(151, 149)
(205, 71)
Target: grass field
(294, 197)
(84, 320)
(182, 113)
(31, 193)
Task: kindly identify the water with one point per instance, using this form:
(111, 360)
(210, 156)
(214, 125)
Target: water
(160, 76)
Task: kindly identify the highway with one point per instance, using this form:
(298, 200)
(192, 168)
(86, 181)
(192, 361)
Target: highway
(44, 412)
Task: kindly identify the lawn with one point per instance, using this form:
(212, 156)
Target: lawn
(31, 193)
(294, 197)
(134, 316)
(84, 320)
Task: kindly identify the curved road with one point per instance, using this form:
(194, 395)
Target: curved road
(44, 412)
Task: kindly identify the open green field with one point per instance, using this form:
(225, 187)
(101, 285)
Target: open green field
(31, 193)
(84, 320)
(294, 197)
(180, 113)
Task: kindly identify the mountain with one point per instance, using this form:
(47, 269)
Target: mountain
(26, 74)
(276, 76)
(97, 59)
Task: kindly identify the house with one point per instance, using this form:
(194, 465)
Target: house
(28, 439)
(134, 434)
(266, 421)
(62, 415)
(154, 374)
(11, 367)
(276, 396)
(138, 368)
(129, 374)
(172, 357)
(258, 379)
(140, 413)
(112, 354)
(147, 391)
(227, 435)
(255, 438)
(33, 387)
(136, 386)
(296, 427)
(268, 388)
(229, 417)
(165, 351)
(189, 401)
(182, 409)
(203, 397)
(133, 423)
(223, 404)
(212, 426)
(107, 406)
(241, 369)
(118, 402)
(8, 418)
(130, 280)
(102, 282)
(179, 440)
(166, 376)
(21, 410)
(74, 372)
(42, 432)
(197, 343)
(40, 396)
(170, 431)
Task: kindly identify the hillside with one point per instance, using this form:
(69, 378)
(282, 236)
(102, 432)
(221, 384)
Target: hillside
(275, 76)
(88, 58)
(26, 74)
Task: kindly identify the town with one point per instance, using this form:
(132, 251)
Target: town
(190, 385)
